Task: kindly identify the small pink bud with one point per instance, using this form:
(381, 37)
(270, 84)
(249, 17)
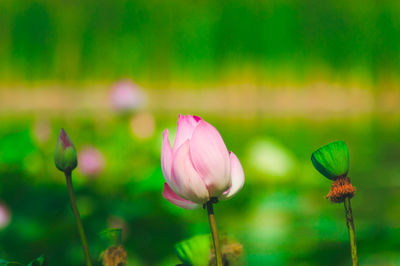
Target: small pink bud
(65, 153)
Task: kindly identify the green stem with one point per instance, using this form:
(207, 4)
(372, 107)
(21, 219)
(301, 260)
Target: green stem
(352, 232)
(79, 224)
(214, 232)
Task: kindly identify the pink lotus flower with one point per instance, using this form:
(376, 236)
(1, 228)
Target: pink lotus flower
(199, 166)
(5, 216)
(127, 96)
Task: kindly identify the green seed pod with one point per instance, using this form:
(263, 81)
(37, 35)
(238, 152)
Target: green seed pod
(194, 251)
(332, 160)
(65, 153)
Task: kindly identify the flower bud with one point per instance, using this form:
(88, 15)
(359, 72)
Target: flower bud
(332, 160)
(65, 153)
(198, 167)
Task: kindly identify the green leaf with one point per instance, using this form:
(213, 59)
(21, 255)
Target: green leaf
(40, 261)
(194, 251)
(3, 262)
(332, 160)
(112, 236)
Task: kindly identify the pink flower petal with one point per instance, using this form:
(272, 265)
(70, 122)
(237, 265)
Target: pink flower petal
(64, 139)
(172, 197)
(237, 176)
(210, 158)
(166, 158)
(188, 183)
(186, 126)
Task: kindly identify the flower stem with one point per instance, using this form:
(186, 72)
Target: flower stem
(214, 232)
(75, 211)
(352, 232)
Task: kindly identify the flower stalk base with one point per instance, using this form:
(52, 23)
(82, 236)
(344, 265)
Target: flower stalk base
(352, 232)
(214, 231)
(342, 191)
(79, 224)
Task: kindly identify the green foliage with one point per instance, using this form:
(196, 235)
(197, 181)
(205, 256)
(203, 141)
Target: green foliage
(59, 40)
(194, 251)
(332, 160)
(40, 261)
(112, 236)
(278, 221)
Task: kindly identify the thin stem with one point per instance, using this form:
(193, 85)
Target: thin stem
(214, 232)
(79, 224)
(352, 232)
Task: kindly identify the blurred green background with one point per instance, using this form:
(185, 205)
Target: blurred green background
(278, 79)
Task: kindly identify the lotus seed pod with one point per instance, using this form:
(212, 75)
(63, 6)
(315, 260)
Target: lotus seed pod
(332, 160)
(114, 256)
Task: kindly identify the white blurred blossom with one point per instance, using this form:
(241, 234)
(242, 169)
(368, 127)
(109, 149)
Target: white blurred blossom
(271, 159)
